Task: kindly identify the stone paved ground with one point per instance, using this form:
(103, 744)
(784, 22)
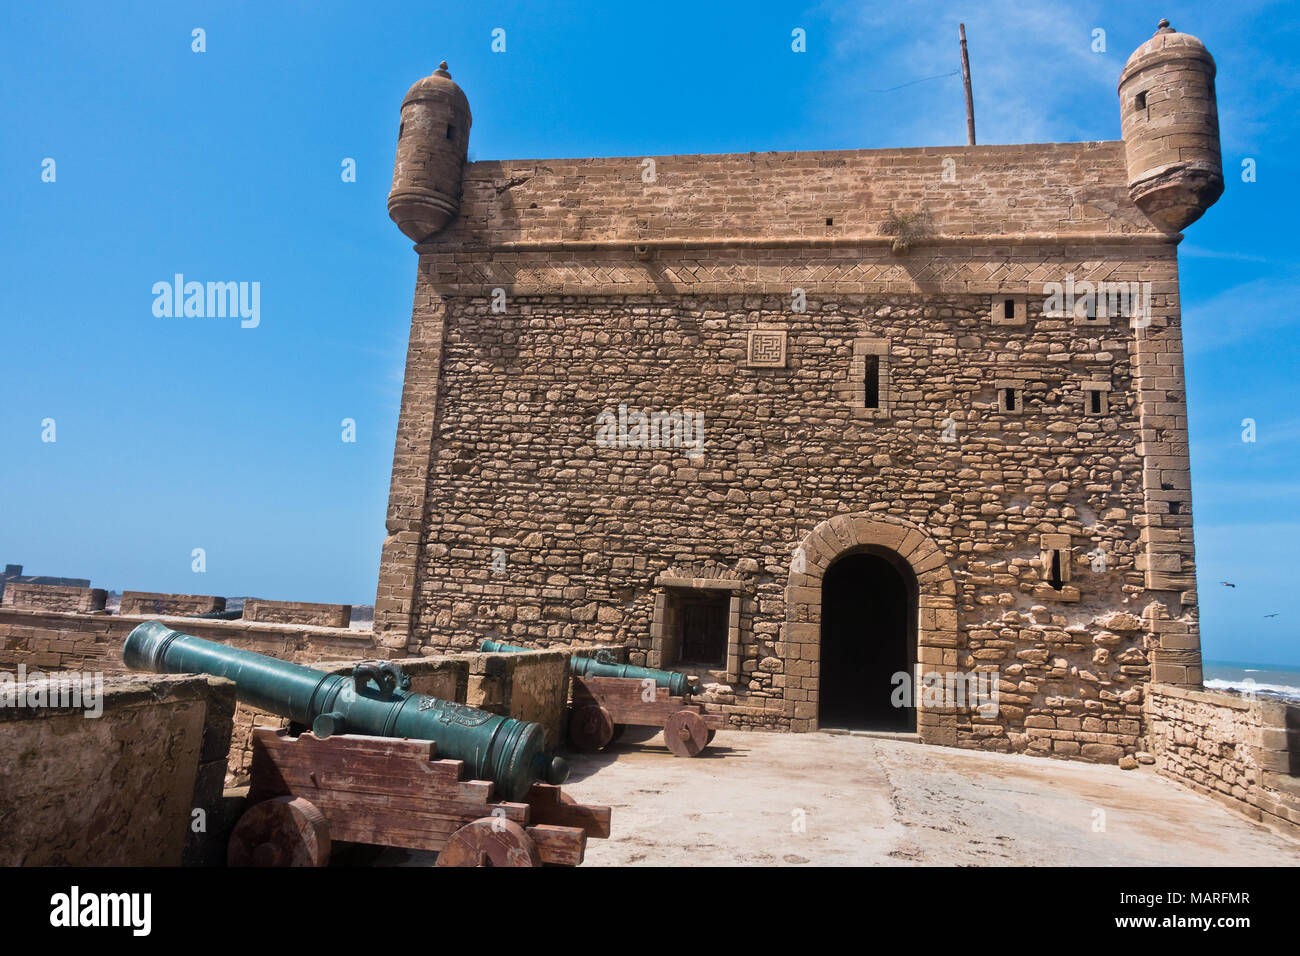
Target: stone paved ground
(875, 801)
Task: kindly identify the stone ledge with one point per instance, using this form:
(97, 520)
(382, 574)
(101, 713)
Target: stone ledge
(53, 597)
(1212, 697)
(297, 612)
(136, 603)
(701, 584)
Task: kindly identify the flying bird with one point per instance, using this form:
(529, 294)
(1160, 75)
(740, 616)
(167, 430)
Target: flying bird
(1227, 584)
(1271, 615)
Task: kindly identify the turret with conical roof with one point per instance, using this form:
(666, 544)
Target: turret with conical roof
(1170, 125)
(432, 144)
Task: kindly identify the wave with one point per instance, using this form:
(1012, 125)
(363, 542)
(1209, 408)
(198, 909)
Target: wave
(1281, 690)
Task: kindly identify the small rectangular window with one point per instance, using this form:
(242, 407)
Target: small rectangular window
(1009, 309)
(871, 381)
(1010, 395)
(1140, 101)
(868, 388)
(451, 131)
(1095, 400)
(1056, 550)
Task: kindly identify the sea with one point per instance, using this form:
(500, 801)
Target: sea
(1269, 679)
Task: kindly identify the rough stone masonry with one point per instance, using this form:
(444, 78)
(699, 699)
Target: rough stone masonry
(896, 353)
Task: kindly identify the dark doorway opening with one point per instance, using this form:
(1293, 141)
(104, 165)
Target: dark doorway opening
(703, 617)
(868, 635)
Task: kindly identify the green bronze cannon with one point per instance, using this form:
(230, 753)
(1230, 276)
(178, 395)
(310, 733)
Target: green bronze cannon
(678, 685)
(375, 699)
(607, 697)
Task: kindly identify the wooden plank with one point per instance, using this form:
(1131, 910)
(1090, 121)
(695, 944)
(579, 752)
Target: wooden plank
(347, 748)
(551, 806)
(280, 766)
(374, 774)
(435, 805)
(559, 846)
(356, 743)
(393, 820)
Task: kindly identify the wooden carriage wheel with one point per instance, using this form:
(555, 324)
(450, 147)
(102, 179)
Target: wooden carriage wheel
(282, 831)
(685, 733)
(490, 841)
(590, 727)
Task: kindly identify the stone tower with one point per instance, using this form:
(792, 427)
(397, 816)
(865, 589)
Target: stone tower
(432, 144)
(1170, 126)
(819, 436)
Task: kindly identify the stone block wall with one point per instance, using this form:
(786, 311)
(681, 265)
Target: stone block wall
(536, 534)
(297, 612)
(532, 686)
(119, 789)
(55, 640)
(53, 597)
(151, 604)
(1004, 440)
(1243, 751)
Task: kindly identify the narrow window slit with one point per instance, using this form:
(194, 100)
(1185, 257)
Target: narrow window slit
(1055, 577)
(871, 381)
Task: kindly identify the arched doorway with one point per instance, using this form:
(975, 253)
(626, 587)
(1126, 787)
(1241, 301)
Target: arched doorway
(868, 636)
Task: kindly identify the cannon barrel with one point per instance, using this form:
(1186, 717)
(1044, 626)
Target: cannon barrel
(678, 685)
(374, 700)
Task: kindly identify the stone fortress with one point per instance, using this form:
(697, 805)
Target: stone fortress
(812, 426)
(847, 434)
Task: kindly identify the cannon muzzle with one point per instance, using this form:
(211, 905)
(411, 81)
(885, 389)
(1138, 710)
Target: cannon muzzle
(678, 685)
(375, 699)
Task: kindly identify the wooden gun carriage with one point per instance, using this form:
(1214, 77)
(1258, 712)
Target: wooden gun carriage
(601, 708)
(307, 792)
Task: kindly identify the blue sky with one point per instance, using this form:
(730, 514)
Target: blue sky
(174, 434)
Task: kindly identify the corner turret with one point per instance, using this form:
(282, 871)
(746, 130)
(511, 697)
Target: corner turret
(432, 144)
(1170, 125)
